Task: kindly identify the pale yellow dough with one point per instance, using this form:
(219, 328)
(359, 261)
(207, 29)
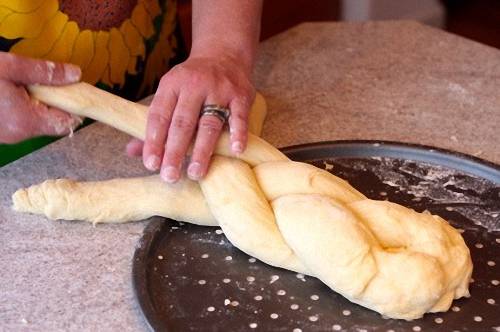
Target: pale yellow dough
(378, 254)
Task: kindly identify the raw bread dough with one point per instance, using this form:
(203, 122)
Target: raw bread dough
(378, 254)
(116, 201)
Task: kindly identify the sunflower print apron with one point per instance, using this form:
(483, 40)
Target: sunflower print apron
(123, 46)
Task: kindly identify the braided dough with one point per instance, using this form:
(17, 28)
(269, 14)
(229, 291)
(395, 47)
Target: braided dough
(288, 214)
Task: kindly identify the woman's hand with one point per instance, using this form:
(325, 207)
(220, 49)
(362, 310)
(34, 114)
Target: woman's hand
(225, 38)
(22, 117)
(174, 114)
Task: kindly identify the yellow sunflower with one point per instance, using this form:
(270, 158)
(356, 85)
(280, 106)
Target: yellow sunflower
(106, 38)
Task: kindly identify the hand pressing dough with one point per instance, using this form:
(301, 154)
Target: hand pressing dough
(378, 254)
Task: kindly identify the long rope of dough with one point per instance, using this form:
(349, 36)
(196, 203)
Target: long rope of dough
(378, 254)
(88, 101)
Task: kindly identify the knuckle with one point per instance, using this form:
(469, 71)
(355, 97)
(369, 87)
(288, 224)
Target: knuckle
(158, 117)
(183, 123)
(210, 124)
(165, 81)
(49, 70)
(174, 156)
(243, 98)
(183, 73)
(156, 128)
(240, 116)
(155, 133)
(240, 94)
(230, 85)
(176, 69)
(154, 137)
(196, 79)
(245, 95)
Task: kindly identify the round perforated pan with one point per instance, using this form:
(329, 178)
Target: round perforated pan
(190, 278)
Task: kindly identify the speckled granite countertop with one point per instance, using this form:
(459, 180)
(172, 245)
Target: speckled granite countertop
(397, 81)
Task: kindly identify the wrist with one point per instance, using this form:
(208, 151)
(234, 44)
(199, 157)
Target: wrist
(242, 56)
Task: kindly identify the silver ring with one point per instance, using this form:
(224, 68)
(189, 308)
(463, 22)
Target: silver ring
(221, 112)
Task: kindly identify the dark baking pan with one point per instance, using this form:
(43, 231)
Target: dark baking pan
(190, 278)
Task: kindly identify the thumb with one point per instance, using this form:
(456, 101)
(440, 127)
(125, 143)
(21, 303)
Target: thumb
(23, 70)
(54, 122)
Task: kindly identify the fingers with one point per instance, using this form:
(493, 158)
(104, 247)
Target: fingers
(209, 130)
(23, 117)
(134, 147)
(178, 128)
(238, 124)
(180, 134)
(173, 117)
(158, 123)
(23, 70)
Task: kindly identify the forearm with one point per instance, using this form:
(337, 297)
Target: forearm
(227, 28)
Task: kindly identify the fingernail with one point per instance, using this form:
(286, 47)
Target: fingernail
(72, 73)
(194, 171)
(169, 174)
(237, 147)
(152, 163)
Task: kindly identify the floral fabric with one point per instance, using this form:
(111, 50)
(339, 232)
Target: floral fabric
(121, 45)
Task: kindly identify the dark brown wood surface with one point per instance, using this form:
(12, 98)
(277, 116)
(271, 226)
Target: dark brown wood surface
(475, 19)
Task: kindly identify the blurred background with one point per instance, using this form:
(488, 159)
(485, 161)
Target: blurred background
(475, 19)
